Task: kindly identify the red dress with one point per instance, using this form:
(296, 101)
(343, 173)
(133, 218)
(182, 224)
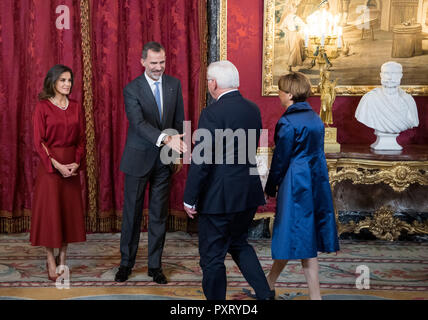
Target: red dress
(57, 210)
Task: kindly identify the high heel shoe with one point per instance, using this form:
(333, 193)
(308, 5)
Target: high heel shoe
(58, 264)
(49, 276)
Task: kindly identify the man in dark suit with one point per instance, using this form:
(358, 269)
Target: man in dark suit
(153, 104)
(222, 187)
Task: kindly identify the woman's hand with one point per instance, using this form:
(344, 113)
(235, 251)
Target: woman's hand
(65, 172)
(177, 166)
(73, 168)
(266, 197)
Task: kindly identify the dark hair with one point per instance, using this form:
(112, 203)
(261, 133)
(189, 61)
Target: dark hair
(152, 45)
(51, 78)
(297, 84)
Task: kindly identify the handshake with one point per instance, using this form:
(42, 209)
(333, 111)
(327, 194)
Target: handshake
(175, 143)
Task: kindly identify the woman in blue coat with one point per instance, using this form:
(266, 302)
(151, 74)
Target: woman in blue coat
(304, 221)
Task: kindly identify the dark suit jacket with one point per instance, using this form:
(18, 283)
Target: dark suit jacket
(140, 151)
(226, 188)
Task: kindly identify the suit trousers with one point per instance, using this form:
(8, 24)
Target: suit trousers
(159, 179)
(220, 234)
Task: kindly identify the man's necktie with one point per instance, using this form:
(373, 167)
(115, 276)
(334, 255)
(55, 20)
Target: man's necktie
(158, 100)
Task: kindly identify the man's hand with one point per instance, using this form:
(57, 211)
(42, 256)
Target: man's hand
(190, 212)
(175, 143)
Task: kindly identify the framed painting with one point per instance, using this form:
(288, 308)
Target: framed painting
(372, 32)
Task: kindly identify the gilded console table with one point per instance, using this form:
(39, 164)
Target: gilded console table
(362, 165)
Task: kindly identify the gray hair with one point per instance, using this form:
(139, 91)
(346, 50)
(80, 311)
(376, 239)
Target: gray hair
(225, 73)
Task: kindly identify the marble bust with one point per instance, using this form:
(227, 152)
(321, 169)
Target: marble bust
(388, 110)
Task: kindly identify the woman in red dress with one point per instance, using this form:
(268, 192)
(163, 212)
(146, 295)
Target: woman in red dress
(57, 213)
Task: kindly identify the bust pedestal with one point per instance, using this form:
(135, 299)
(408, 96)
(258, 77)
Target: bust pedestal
(386, 141)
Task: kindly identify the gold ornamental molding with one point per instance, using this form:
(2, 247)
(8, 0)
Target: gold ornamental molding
(266, 215)
(222, 30)
(203, 35)
(397, 174)
(265, 151)
(268, 88)
(91, 171)
(385, 226)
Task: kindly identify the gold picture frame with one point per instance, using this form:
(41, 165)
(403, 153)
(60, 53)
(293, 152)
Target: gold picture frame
(222, 30)
(358, 68)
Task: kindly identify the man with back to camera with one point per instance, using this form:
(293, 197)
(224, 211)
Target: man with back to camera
(225, 195)
(153, 104)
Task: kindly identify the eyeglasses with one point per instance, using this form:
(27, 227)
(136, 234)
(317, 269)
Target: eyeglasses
(210, 80)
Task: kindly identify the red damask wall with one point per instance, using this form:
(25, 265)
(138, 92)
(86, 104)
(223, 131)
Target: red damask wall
(245, 48)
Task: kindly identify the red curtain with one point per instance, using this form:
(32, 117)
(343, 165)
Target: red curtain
(119, 31)
(30, 44)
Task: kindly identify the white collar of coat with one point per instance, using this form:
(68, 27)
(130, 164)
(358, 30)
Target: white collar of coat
(226, 93)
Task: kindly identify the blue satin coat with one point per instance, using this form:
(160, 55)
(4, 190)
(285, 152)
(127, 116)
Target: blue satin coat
(304, 221)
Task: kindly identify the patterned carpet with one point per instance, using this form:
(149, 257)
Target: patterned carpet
(397, 271)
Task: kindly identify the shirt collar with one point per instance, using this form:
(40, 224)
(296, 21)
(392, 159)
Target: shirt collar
(298, 106)
(151, 81)
(226, 93)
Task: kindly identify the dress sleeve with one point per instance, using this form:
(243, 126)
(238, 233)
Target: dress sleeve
(80, 151)
(284, 141)
(39, 134)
